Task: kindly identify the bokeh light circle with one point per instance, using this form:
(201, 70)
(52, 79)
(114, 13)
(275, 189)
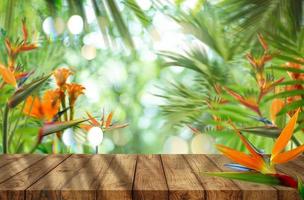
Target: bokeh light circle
(75, 24)
(95, 136)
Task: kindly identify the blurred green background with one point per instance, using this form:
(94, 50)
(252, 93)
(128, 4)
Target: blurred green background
(118, 50)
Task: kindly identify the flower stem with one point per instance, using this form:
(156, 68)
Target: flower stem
(71, 112)
(5, 128)
(63, 108)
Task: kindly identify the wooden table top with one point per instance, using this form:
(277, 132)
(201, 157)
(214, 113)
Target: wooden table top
(130, 177)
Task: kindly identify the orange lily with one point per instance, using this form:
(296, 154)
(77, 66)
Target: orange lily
(45, 109)
(61, 75)
(249, 103)
(104, 123)
(256, 161)
(74, 91)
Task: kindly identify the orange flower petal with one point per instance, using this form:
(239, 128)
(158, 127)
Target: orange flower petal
(28, 47)
(241, 158)
(285, 136)
(8, 76)
(263, 42)
(86, 127)
(249, 103)
(288, 155)
(51, 104)
(109, 120)
(33, 107)
(24, 31)
(246, 143)
(276, 107)
(93, 120)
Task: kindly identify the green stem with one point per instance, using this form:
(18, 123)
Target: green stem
(5, 128)
(34, 148)
(63, 108)
(296, 141)
(71, 112)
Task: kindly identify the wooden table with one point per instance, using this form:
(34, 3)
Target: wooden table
(130, 177)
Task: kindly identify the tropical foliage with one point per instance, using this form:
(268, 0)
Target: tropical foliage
(247, 71)
(243, 63)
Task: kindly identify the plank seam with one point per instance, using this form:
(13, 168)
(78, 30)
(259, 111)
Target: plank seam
(9, 162)
(196, 176)
(24, 192)
(22, 170)
(98, 185)
(75, 172)
(162, 164)
(233, 181)
(134, 176)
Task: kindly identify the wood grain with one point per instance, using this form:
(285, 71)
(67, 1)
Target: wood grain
(49, 187)
(13, 168)
(14, 187)
(118, 180)
(182, 182)
(8, 158)
(150, 181)
(83, 185)
(103, 177)
(249, 190)
(215, 188)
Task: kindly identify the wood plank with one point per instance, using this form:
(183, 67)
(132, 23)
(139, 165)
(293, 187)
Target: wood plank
(8, 158)
(215, 188)
(50, 185)
(182, 182)
(150, 182)
(13, 188)
(12, 168)
(118, 180)
(249, 190)
(83, 185)
(299, 161)
(292, 169)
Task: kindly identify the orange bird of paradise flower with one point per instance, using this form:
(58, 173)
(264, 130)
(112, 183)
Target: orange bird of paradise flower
(9, 74)
(257, 161)
(105, 123)
(23, 46)
(46, 108)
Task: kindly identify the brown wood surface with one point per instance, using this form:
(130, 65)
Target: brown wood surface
(215, 188)
(117, 182)
(182, 182)
(103, 177)
(49, 187)
(249, 190)
(15, 187)
(150, 181)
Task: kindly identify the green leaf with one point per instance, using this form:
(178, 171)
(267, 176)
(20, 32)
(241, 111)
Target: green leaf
(55, 127)
(285, 94)
(271, 132)
(143, 18)
(26, 90)
(301, 188)
(247, 176)
(291, 106)
(121, 26)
